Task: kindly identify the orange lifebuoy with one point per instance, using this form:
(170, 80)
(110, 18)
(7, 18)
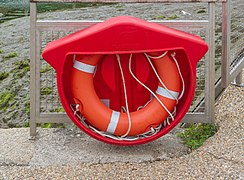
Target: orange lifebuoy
(108, 120)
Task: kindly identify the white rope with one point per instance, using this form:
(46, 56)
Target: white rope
(78, 114)
(157, 57)
(140, 107)
(182, 80)
(82, 119)
(160, 102)
(128, 138)
(126, 100)
(122, 109)
(74, 58)
(161, 82)
(76, 109)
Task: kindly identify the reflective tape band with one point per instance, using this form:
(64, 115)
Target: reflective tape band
(84, 67)
(113, 122)
(167, 93)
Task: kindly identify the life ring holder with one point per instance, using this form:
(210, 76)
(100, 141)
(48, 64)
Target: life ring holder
(86, 68)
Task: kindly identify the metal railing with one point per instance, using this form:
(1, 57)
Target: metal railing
(237, 42)
(45, 105)
(232, 57)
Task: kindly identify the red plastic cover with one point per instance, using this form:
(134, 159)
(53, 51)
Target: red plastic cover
(125, 35)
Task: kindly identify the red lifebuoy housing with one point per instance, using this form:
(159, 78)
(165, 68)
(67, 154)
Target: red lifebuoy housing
(117, 123)
(98, 46)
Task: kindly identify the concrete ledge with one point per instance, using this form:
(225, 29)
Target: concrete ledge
(61, 147)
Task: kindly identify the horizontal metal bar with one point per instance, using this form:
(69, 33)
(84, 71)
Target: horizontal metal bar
(237, 69)
(63, 118)
(233, 74)
(218, 88)
(236, 48)
(196, 118)
(68, 24)
(65, 23)
(130, 1)
(53, 118)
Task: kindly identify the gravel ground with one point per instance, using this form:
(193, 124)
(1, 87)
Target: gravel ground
(221, 156)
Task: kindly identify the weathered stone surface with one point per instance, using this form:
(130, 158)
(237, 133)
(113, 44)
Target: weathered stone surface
(62, 147)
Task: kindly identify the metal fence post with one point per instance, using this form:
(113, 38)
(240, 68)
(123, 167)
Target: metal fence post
(226, 31)
(210, 65)
(239, 80)
(33, 99)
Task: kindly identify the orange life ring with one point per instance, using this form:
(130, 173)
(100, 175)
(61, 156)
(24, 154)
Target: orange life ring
(107, 120)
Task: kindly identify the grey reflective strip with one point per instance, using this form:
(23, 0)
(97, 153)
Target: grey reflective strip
(165, 93)
(113, 122)
(84, 67)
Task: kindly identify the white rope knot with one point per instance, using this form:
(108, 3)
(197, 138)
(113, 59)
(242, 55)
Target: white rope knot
(123, 109)
(76, 109)
(173, 54)
(152, 130)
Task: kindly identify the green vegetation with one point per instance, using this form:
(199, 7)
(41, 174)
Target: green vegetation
(23, 64)
(119, 6)
(43, 125)
(46, 125)
(19, 75)
(3, 75)
(27, 107)
(235, 24)
(160, 17)
(201, 11)
(46, 91)
(21, 68)
(58, 109)
(46, 68)
(52, 125)
(197, 134)
(172, 17)
(5, 99)
(10, 55)
(60, 126)
(1, 51)
(15, 104)
(27, 68)
(12, 12)
(167, 18)
(27, 124)
(21, 10)
(44, 7)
